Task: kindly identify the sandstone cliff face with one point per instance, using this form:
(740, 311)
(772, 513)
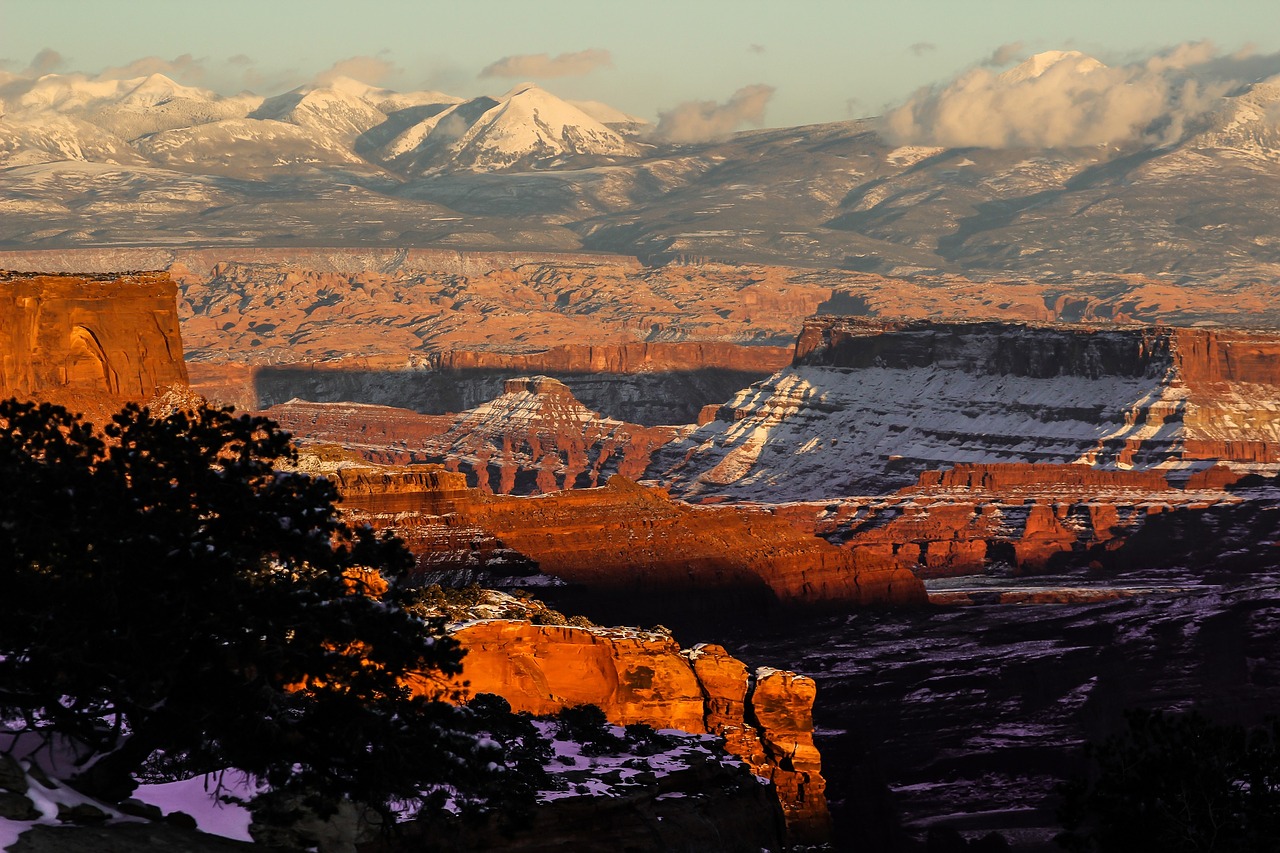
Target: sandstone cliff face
(867, 406)
(1026, 517)
(629, 541)
(621, 539)
(638, 677)
(89, 342)
(534, 438)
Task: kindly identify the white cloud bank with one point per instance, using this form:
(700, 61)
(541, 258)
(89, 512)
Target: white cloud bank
(1064, 98)
(542, 65)
(703, 121)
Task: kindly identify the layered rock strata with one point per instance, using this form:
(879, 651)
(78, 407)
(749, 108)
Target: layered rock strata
(867, 406)
(1027, 518)
(625, 540)
(90, 342)
(534, 438)
(638, 677)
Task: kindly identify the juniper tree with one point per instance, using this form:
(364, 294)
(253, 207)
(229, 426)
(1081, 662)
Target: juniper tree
(169, 595)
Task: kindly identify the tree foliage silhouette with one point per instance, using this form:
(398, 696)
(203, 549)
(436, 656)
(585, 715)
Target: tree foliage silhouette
(169, 595)
(1177, 783)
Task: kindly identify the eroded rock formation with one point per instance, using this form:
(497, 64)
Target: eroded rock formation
(533, 438)
(89, 342)
(640, 677)
(1026, 517)
(869, 405)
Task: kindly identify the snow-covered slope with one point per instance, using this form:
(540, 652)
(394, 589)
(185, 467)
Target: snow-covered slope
(127, 108)
(527, 126)
(877, 404)
(337, 112)
(1247, 125)
(27, 140)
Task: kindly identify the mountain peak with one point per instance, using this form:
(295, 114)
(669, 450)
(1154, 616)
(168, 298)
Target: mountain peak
(522, 88)
(1035, 66)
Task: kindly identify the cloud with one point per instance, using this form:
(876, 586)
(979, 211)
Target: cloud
(186, 67)
(366, 69)
(46, 61)
(543, 65)
(702, 121)
(1063, 99)
(920, 48)
(1004, 54)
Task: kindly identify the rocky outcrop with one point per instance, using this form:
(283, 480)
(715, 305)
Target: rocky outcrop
(89, 342)
(629, 542)
(533, 438)
(1028, 518)
(869, 405)
(640, 677)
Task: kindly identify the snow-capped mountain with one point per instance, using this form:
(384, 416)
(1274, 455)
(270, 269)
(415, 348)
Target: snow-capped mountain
(336, 123)
(1192, 195)
(527, 126)
(127, 109)
(339, 110)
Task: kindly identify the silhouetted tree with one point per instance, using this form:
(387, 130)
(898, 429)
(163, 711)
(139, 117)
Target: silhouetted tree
(1177, 783)
(170, 596)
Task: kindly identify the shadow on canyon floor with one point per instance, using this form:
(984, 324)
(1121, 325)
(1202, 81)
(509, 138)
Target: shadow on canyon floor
(666, 397)
(967, 717)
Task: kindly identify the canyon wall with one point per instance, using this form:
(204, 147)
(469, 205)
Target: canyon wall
(647, 397)
(89, 342)
(867, 406)
(766, 718)
(625, 542)
(1028, 518)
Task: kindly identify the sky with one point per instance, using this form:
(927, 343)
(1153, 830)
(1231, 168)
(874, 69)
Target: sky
(789, 63)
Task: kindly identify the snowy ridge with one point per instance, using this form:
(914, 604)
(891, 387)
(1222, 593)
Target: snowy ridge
(524, 126)
(335, 123)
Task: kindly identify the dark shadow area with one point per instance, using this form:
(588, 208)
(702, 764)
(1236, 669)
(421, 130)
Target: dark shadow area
(649, 399)
(967, 718)
(846, 304)
(397, 123)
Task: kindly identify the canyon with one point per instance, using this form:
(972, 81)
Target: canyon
(630, 549)
(983, 440)
(1108, 451)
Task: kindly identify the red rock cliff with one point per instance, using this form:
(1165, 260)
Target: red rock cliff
(961, 520)
(639, 677)
(629, 539)
(88, 339)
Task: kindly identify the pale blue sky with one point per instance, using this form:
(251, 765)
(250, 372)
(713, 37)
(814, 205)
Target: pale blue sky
(827, 59)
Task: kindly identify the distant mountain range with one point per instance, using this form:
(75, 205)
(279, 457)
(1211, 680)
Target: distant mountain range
(151, 162)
